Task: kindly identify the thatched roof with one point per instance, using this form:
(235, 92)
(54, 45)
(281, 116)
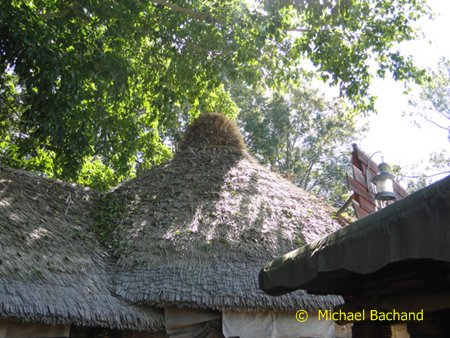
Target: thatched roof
(52, 269)
(384, 254)
(196, 231)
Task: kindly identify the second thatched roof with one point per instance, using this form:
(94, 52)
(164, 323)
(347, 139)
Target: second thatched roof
(52, 268)
(196, 231)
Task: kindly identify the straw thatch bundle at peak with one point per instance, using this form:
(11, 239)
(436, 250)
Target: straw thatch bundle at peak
(213, 129)
(196, 231)
(52, 269)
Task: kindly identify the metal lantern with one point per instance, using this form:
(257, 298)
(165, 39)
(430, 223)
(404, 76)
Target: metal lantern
(384, 183)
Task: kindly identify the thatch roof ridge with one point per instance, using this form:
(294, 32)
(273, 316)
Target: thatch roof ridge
(196, 230)
(52, 268)
(213, 129)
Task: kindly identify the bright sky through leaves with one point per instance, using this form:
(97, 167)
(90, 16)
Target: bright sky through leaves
(393, 135)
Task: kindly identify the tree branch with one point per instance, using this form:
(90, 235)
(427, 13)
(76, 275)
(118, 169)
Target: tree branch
(55, 15)
(433, 122)
(426, 176)
(187, 11)
(298, 30)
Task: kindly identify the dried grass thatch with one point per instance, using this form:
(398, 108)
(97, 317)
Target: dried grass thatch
(196, 231)
(213, 129)
(193, 232)
(52, 269)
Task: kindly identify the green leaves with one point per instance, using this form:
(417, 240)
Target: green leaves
(433, 105)
(303, 136)
(108, 80)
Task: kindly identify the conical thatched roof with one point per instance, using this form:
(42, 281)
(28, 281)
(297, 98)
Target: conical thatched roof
(52, 269)
(196, 231)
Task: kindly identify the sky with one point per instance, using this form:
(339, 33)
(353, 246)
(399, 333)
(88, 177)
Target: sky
(396, 137)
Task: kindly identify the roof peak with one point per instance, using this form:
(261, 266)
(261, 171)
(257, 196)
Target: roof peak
(213, 129)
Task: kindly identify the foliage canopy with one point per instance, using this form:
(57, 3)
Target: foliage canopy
(303, 136)
(432, 107)
(88, 87)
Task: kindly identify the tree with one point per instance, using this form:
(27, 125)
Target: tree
(425, 172)
(431, 107)
(95, 84)
(433, 104)
(301, 135)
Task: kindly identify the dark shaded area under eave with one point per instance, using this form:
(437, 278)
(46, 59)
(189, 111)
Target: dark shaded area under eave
(404, 246)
